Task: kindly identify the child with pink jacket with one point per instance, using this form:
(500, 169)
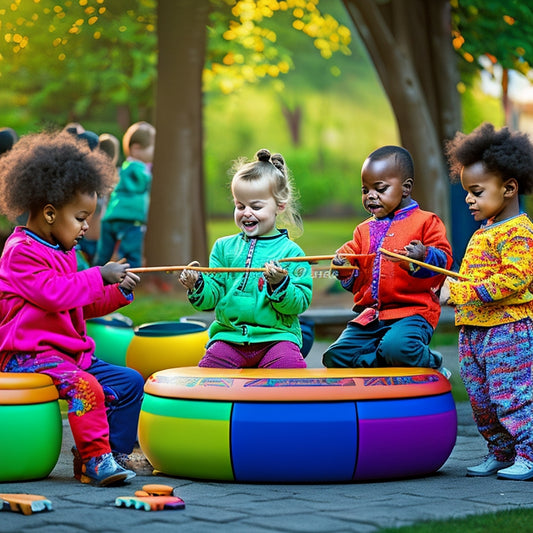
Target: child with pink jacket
(44, 301)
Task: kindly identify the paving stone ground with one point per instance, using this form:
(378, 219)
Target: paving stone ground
(257, 508)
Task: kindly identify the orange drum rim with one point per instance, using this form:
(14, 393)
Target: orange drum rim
(310, 384)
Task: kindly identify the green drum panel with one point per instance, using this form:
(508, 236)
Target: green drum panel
(187, 438)
(31, 440)
(111, 342)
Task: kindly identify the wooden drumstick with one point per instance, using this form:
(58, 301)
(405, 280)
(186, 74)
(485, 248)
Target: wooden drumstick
(174, 268)
(302, 259)
(425, 265)
(143, 270)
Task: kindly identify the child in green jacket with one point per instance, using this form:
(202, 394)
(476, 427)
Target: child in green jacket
(124, 222)
(256, 313)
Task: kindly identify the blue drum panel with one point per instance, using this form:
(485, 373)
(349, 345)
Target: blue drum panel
(294, 442)
(400, 407)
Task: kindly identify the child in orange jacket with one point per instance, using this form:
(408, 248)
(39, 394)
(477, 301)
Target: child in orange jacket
(397, 304)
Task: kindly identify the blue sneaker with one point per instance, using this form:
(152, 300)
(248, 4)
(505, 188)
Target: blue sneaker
(521, 470)
(103, 471)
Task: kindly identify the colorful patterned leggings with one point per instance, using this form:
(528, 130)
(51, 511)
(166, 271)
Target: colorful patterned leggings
(496, 364)
(103, 401)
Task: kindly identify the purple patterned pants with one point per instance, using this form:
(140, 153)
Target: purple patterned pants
(282, 354)
(496, 364)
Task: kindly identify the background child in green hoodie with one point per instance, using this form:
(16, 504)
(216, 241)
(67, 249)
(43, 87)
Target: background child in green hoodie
(124, 223)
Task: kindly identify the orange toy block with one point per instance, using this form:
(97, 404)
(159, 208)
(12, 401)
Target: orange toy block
(154, 489)
(24, 503)
(150, 503)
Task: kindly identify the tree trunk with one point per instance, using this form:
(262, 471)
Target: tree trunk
(177, 223)
(506, 101)
(409, 42)
(123, 117)
(293, 117)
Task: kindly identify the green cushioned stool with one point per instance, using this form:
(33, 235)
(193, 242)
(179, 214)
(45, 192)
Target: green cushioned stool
(31, 426)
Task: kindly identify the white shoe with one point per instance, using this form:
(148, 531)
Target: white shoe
(489, 466)
(521, 470)
(445, 372)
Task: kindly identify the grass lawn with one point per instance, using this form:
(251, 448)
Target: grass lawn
(501, 522)
(155, 307)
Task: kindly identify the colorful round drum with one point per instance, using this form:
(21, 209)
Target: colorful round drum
(31, 426)
(297, 426)
(112, 335)
(163, 345)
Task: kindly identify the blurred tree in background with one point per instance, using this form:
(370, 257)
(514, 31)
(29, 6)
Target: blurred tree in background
(85, 60)
(69, 60)
(247, 55)
(498, 33)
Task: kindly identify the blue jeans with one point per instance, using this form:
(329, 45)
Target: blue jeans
(382, 343)
(104, 401)
(128, 236)
(124, 390)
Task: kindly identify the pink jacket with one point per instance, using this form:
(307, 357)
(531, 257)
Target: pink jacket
(44, 301)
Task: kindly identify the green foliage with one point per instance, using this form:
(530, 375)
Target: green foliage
(339, 128)
(478, 107)
(333, 104)
(67, 60)
(497, 29)
(503, 522)
(243, 45)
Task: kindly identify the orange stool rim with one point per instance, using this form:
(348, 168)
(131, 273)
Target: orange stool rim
(26, 388)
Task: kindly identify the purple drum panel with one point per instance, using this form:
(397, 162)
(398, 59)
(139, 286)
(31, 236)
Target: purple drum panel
(394, 446)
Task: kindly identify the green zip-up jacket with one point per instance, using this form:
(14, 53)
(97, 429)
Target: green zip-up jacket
(246, 310)
(130, 199)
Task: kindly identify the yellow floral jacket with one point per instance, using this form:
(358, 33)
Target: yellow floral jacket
(499, 263)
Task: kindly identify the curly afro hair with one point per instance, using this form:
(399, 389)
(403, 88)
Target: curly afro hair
(504, 152)
(50, 168)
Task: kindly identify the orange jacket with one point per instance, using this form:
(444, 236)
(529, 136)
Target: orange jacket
(391, 287)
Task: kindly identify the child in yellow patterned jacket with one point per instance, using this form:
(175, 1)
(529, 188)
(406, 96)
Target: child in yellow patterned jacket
(495, 306)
